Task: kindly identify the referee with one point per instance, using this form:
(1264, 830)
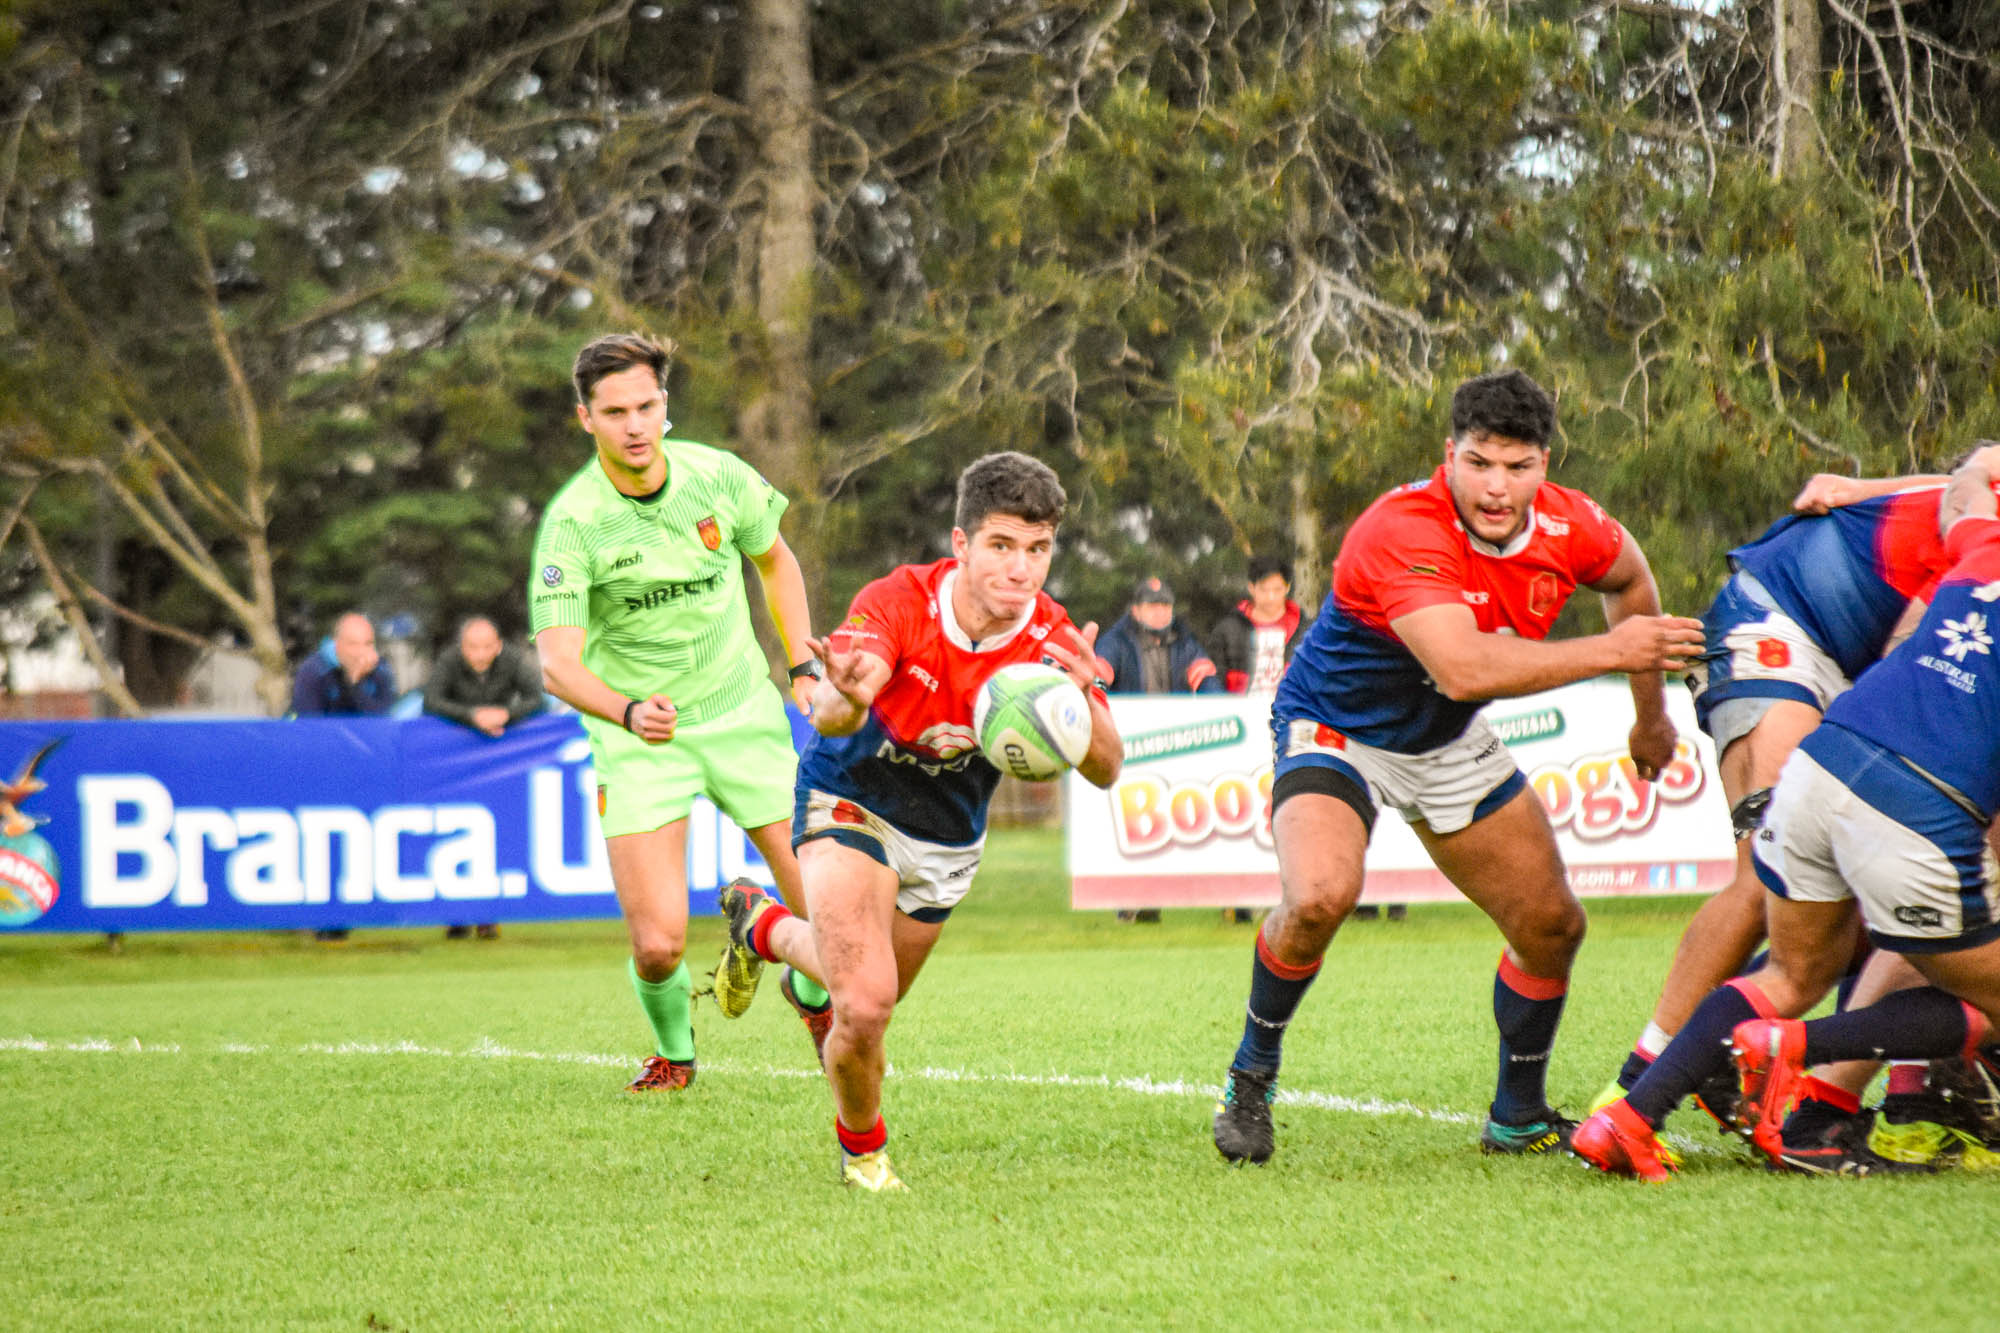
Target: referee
(637, 604)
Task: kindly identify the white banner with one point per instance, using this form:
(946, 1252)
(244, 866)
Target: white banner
(1188, 823)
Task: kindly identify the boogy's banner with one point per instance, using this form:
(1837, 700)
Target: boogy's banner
(317, 822)
(1188, 823)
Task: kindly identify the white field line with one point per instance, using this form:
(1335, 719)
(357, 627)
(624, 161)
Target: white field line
(487, 1049)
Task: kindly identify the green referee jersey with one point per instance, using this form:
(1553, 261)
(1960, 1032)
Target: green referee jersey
(657, 586)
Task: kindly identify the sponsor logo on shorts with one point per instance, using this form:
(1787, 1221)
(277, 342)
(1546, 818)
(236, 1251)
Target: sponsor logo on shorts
(1924, 918)
(552, 576)
(847, 812)
(600, 800)
(1305, 736)
(1774, 653)
(711, 534)
(960, 873)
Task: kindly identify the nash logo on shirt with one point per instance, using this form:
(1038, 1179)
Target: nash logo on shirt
(711, 535)
(627, 560)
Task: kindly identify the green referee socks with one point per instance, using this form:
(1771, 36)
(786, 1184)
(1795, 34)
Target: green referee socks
(811, 994)
(667, 1004)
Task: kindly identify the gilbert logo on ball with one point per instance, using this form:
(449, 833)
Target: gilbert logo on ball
(1032, 721)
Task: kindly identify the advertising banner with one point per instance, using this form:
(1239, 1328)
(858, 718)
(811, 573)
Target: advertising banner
(1188, 822)
(311, 823)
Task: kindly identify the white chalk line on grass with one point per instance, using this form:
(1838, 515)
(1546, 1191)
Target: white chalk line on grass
(487, 1049)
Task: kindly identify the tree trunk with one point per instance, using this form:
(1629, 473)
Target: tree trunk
(776, 422)
(1795, 39)
(1309, 574)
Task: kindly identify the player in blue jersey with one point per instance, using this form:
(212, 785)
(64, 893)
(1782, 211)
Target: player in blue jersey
(893, 789)
(1441, 596)
(1886, 805)
(1808, 606)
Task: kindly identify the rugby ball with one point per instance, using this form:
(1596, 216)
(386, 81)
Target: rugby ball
(1031, 721)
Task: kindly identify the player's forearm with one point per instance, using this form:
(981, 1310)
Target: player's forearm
(1501, 666)
(1640, 597)
(579, 687)
(1106, 755)
(785, 597)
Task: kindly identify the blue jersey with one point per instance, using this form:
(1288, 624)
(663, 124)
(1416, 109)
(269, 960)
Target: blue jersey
(1846, 576)
(1406, 552)
(1935, 700)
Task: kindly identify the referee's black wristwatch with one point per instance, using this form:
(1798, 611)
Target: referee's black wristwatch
(810, 667)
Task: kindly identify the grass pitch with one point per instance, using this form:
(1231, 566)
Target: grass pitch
(230, 1132)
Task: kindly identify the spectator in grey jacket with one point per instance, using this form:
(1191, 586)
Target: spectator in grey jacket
(487, 685)
(484, 683)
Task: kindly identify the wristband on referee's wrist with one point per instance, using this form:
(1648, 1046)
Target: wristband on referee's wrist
(809, 667)
(630, 704)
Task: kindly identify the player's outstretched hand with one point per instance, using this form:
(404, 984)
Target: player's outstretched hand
(1655, 643)
(1080, 660)
(1651, 745)
(846, 672)
(653, 719)
(1826, 490)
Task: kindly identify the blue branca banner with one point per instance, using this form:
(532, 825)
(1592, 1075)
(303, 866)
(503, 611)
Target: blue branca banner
(314, 823)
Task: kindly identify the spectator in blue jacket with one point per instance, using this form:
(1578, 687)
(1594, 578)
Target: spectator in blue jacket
(1150, 650)
(346, 677)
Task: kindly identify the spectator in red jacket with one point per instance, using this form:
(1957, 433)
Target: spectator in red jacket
(1253, 643)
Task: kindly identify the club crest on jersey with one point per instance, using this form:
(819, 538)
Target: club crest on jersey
(711, 533)
(1544, 595)
(1962, 637)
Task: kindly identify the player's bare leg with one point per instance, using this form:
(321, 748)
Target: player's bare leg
(1725, 931)
(1508, 866)
(855, 929)
(649, 873)
(1321, 841)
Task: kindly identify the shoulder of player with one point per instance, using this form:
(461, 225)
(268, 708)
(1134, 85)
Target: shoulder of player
(1567, 504)
(717, 467)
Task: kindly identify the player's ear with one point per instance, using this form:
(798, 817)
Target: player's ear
(960, 544)
(583, 416)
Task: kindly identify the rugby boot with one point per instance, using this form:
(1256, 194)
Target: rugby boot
(1619, 1142)
(1550, 1132)
(736, 976)
(1769, 1054)
(1823, 1140)
(1243, 1131)
(660, 1074)
(870, 1171)
(818, 1022)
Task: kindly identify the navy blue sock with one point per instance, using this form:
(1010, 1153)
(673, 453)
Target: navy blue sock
(1844, 990)
(1633, 1070)
(1275, 991)
(1526, 1010)
(1920, 1024)
(1700, 1049)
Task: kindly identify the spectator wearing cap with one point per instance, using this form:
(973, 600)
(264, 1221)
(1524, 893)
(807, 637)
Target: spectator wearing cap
(1253, 643)
(1150, 650)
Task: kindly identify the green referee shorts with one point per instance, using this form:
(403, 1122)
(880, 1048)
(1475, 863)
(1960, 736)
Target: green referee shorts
(743, 761)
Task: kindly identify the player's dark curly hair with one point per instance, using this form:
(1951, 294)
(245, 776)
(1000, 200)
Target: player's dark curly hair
(1505, 403)
(615, 352)
(1009, 483)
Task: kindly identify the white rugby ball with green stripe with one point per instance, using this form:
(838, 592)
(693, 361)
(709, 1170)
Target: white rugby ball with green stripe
(1032, 721)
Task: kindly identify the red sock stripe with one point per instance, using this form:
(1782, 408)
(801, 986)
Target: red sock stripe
(1906, 1078)
(1819, 1090)
(867, 1141)
(1532, 988)
(760, 934)
(1289, 971)
(1758, 1000)
(1976, 1031)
